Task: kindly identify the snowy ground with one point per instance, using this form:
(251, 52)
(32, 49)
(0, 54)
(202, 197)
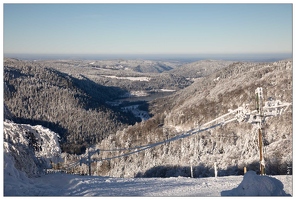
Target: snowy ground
(60, 184)
(142, 78)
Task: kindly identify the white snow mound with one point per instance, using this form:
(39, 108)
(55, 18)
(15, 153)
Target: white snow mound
(29, 149)
(255, 185)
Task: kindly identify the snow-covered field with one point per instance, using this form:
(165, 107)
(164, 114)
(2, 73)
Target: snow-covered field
(137, 112)
(143, 78)
(60, 184)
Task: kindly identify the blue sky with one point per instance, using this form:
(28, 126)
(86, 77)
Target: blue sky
(147, 28)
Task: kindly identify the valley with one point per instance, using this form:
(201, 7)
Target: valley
(110, 108)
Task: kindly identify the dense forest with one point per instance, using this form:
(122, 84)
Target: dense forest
(74, 108)
(71, 98)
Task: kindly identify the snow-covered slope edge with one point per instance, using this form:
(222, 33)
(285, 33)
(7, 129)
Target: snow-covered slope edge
(28, 150)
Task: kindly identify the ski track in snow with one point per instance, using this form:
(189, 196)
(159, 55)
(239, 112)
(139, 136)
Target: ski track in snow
(60, 184)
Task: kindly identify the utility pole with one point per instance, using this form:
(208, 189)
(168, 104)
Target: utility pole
(256, 117)
(88, 161)
(259, 108)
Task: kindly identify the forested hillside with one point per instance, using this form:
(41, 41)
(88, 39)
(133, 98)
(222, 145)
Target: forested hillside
(71, 100)
(232, 146)
(200, 68)
(123, 77)
(74, 108)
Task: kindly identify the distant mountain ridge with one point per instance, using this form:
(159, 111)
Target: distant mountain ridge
(200, 68)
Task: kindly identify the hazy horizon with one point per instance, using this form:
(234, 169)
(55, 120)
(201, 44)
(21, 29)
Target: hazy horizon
(177, 57)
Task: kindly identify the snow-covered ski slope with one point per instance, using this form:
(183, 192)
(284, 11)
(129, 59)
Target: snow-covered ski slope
(74, 185)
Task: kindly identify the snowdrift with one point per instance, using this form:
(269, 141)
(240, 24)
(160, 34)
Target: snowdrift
(28, 150)
(255, 185)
